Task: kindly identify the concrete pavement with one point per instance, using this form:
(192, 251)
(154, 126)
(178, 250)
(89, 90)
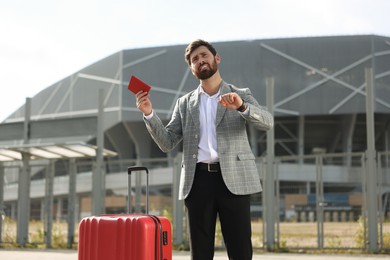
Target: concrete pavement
(72, 255)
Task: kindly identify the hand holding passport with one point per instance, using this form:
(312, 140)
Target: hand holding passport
(143, 103)
(136, 85)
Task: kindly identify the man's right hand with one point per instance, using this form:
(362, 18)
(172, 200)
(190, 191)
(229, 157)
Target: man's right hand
(143, 103)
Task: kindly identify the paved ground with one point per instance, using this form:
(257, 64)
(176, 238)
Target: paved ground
(72, 255)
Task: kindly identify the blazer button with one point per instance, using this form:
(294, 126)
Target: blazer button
(194, 156)
(196, 136)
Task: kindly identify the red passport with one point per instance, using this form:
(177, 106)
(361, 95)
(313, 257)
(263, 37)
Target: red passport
(136, 85)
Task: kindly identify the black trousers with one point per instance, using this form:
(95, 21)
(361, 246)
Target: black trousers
(209, 198)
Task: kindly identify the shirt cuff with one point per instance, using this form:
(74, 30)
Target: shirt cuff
(148, 117)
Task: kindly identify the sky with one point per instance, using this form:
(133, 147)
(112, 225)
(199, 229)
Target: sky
(44, 41)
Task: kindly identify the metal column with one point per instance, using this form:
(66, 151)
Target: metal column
(348, 130)
(269, 184)
(71, 201)
(301, 137)
(320, 201)
(371, 173)
(23, 213)
(49, 198)
(98, 178)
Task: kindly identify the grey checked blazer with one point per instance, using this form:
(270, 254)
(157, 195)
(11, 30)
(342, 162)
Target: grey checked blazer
(237, 161)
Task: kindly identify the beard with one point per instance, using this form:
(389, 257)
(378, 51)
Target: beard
(207, 73)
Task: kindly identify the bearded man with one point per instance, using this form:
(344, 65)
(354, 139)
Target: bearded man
(218, 172)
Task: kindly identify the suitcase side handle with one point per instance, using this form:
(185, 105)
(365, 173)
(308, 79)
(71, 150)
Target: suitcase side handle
(129, 171)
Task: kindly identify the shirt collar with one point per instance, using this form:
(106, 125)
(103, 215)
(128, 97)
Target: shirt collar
(216, 95)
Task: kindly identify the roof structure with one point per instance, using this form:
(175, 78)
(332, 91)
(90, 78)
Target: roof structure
(313, 76)
(51, 151)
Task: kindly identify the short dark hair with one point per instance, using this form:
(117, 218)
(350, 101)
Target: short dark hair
(194, 45)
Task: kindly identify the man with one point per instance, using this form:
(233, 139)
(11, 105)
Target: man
(218, 169)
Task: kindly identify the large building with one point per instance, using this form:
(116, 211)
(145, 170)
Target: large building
(319, 90)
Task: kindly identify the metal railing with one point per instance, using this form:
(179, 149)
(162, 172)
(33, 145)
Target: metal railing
(321, 165)
(316, 169)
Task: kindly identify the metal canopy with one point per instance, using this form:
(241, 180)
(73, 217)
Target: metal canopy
(51, 151)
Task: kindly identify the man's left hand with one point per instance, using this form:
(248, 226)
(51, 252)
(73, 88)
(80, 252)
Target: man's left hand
(230, 100)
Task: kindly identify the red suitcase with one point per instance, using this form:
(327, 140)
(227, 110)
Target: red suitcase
(126, 236)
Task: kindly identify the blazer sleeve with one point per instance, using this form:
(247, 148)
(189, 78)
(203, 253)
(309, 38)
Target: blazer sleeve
(166, 137)
(258, 115)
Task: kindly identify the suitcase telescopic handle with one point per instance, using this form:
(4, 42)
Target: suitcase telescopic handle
(137, 169)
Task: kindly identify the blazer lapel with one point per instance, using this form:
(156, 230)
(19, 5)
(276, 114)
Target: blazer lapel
(220, 109)
(194, 107)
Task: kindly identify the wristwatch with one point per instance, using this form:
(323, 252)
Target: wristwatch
(243, 107)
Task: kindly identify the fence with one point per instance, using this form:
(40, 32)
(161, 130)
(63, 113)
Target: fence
(320, 200)
(331, 211)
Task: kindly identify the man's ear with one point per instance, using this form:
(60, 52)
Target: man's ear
(217, 58)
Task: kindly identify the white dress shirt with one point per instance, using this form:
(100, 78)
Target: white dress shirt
(207, 148)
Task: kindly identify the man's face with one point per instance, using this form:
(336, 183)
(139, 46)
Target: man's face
(203, 63)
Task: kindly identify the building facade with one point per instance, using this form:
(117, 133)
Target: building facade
(319, 107)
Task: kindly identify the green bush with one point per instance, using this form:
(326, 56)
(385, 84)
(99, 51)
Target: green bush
(360, 235)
